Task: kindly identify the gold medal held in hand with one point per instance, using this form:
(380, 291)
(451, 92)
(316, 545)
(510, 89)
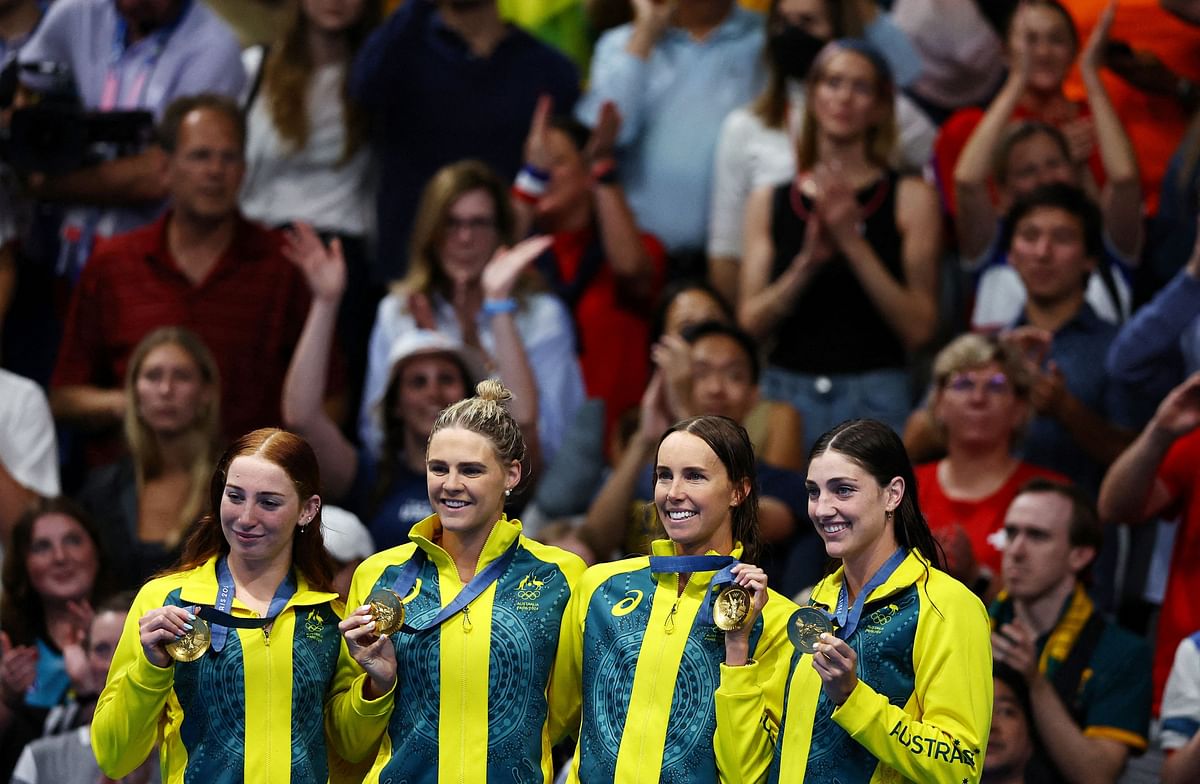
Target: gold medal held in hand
(730, 608)
(387, 610)
(192, 645)
(806, 626)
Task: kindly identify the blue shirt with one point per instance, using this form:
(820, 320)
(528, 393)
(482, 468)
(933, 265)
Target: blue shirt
(433, 102)
(1079, 348)
(672, 106)
(1160, 345)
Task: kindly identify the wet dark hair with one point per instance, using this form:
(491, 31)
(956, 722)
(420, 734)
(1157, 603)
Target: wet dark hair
(731, 444)
(877, 449)
(704, 329)
(1069, 199)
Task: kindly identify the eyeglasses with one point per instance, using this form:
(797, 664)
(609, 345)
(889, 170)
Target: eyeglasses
(473, 225)
(965, 383)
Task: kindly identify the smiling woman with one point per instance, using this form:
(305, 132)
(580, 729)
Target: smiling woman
(641, 643)
(254, 570)
(462, 691)
(864, 700)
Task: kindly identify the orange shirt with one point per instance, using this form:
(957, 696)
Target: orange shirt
(1155, 124)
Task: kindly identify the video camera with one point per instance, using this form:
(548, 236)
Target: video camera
(55, 134)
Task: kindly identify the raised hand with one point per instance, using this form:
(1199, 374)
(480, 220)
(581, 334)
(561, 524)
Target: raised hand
(1019, 57)
(1015, 645)
(654, 415)
(653, 16)
(737, 642)
(1179, 413)
(507, 264)
(604, 136)
(375, 654)
(1033, 343)
(161, 626)
(837, 206)
(1092, 56)
(672, 355)
(1049, 390)
(18, 668)
(324, 267)
(537, 143)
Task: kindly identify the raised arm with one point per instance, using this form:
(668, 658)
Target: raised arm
(977, 218)
(607, 518)
(619, 234)
(1121, 197)
(304, 386)
(1132, 491)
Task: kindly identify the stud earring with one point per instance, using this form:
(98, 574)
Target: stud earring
(507, 491)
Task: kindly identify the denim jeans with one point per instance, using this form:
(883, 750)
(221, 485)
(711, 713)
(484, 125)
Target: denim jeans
(828, 400)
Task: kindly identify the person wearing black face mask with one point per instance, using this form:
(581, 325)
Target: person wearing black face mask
(792, 49)
(756, 144)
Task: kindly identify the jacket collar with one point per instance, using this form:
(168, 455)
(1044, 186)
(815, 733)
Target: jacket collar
(200, 587)
(427, 533)
(911, 570)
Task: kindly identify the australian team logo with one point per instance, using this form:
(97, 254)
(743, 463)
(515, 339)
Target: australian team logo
(529, 590)
(314, 626)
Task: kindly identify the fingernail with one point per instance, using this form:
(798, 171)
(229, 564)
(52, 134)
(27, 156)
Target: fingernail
(191, 615)
(187, 626)
(178, 636)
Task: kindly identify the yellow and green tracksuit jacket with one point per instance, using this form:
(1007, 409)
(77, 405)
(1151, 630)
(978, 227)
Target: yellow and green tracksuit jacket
(473, 697)
(921, 711)
(249, 713)
(647, 671)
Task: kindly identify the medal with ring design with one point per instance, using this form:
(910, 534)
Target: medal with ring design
(193, 644)
(806, 626)
(388, 611)
(730, 608)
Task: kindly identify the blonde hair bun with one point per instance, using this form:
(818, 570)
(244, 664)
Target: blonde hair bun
(492, 389)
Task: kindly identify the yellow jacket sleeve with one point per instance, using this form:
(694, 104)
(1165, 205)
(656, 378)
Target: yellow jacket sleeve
(566, 679)
(749, 700)
(130, 710)
(354, 723)
(953, 689)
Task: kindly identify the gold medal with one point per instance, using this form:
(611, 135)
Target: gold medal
(806, 626)
(730, 608)
(191, 645)
(388, 611)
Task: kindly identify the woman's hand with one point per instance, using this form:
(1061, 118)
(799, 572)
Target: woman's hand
(160, 626)
(837, 208)
(1019, 56)
(71, 639)
(837, 664)
(672, 355)
(18, 668)
(375, 654)
(603, 140)
(324, 267)
(1091, 59)
(507, 264)
(737, 642)
(537, 143)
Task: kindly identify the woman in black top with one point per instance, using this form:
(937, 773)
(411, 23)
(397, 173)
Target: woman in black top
(839, 271)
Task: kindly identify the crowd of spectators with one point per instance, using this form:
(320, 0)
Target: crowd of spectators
(973, 220)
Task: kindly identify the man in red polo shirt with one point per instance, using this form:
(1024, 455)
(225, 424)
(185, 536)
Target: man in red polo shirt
(201, 265)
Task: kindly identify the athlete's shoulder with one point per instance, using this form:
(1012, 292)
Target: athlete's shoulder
(376, 564)
(602, 572)
(571, 565)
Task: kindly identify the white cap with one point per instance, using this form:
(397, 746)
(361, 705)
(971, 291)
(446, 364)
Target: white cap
(346, 538)
(426, 342)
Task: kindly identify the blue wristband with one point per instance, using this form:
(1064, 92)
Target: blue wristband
(494, 307)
